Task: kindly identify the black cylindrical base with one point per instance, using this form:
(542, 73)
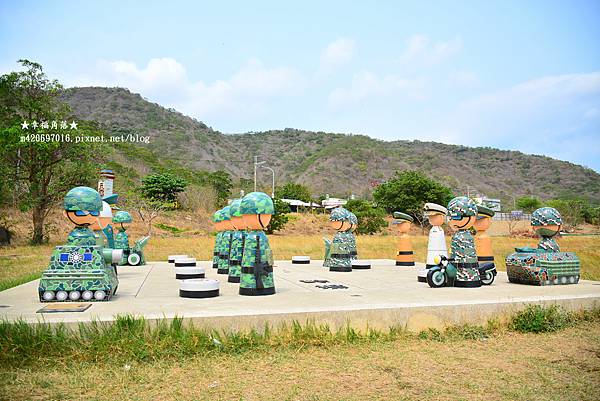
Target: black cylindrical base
(405, 263)
(188, 276)
(255, 291)
(361, 267)
(185, 264)
(223, 271)
(198, 294)
(231, 279)
(421, 279)
(300, 262)
(340, 268)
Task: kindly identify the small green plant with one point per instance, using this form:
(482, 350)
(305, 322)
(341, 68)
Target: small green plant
(171, 229)
(540, 319)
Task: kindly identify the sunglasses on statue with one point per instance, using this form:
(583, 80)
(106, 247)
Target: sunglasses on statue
(85, 213)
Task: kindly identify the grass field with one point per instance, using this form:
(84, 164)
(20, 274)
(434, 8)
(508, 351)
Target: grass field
(133, 361)
(24, 263)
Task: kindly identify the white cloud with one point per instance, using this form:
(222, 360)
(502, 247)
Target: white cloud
(367, 84)
(166, 81)
(551, 115)
(421, 51)
(463, 78)
(337, 53)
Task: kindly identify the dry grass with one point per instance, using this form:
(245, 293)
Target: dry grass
(507, 366)
(22, 263)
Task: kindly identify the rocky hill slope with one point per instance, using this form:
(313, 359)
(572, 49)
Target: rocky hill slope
(336, 164)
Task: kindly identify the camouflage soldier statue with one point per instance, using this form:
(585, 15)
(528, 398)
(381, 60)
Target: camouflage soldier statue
(338, 252)
(547, 222)
(546, 264)
(218, 238)
(122, 239)
(82, 208)
(257, 260)
(353, 225)
(102, 228)
(463, 213)
(226, 238)
(81, 269)
(238, 238)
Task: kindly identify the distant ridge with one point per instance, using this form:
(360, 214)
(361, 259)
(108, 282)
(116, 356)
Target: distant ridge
(336, 164)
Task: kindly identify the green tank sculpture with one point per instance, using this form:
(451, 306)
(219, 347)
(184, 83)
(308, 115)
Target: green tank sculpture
(216, 218)
(131, 256)
(257, 260)
(81, 269)
(238, 238)
(546, 264)
(226, 238)
(461, 269)
(338, 256)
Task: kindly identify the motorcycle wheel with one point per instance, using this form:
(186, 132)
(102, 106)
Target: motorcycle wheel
(488, 278)
(436, 278)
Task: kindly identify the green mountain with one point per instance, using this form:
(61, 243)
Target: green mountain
(336, 164)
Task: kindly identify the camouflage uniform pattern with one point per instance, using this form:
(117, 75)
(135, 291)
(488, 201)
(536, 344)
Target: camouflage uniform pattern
(462, 245)
(225, 249)
(84, 199)
(238, 239)
(338, 253)
(257, 258)
(81, 236)
(544, 265)
(354, 221)
(78, 268)
(257, 265)
(464, 256)
(218, 238)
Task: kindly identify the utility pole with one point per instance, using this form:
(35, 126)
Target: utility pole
(260, 164)
(255, 165)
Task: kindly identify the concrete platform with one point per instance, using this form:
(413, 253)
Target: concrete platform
(383, 296)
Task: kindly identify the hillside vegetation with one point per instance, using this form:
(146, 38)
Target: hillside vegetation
(337, 164)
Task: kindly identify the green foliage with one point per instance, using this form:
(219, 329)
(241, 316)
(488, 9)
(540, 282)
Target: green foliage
(162, 188)
(292, 190)
(220, 180)
(280, 218)
(528, 203)
(538, 319)
(371, 219)
(573, 211)
(171, 229)
(38, 166)
(408, 191)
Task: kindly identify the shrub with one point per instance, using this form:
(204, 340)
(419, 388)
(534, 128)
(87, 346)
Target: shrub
(539, 319)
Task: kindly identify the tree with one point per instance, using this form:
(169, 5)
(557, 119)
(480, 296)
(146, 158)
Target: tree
(38, 165)
(280, 218)
(528, 203)
(292, 190)
(220, 180)
(408, 191)
(162, 188)
(371, 219)
(572, 211)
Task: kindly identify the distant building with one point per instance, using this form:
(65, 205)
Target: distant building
(494, 204)
(330, 203)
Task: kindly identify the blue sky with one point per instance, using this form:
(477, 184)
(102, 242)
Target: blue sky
(512, 75)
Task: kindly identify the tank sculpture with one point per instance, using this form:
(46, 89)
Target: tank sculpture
(216, 218)
(102, 227)
(238, 237)
(461, 268)
(131, 256)
(436, 245)
(404, 255)
(81, 269)
(483, 245)
(257, 260)
(338, 255)
(353, 225)
(546, 264)
(226, 238)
